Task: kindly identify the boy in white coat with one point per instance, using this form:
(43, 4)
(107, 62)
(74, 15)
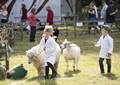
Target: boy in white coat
(48, 44)
(106, 43)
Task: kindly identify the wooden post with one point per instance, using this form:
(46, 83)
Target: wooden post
(21, 31)
(7, 56)
(75, 29)
(66, 28)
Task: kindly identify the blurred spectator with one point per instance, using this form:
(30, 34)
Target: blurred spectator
(96, 13)
(49, 15)
(0, 12)
(110, 14)
(103, 9)
(4, 14)
(91, 16)
(23, 13)
(32, 23)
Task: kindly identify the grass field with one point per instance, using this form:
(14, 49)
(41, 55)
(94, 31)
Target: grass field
(88, 73)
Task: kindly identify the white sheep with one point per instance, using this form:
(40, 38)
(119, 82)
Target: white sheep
(70, 52)
(38, 61)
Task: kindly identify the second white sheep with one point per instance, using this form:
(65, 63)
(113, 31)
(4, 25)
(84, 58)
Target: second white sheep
(70, 52)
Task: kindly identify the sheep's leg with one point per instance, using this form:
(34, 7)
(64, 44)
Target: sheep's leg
(38, 72)
(42, 71)
(56, 66)
(77, 63)
(74, 64)
(67, 65)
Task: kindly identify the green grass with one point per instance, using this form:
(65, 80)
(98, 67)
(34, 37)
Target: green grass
(88, 73)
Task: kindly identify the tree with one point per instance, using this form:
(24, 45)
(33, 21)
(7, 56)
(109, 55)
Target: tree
(79, 8)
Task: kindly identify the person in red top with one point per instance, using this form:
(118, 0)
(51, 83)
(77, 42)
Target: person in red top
(49, 15)
(32, 23)
(23, 13)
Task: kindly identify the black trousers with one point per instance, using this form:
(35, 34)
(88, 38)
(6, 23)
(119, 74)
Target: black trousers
(32, 33)
(108, 62)
(4, 21)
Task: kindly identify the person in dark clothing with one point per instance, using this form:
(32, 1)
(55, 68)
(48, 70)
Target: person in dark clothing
(23, 13)
(92, 17)
(110, 14)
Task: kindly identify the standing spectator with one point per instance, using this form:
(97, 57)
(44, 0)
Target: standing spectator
(49, 15)
(0, 12)
(4, 14)
(96, 13)
(106, 43)
(103, 11)
(32, 23)
(23, 13)
(91, 16)
(110, 14)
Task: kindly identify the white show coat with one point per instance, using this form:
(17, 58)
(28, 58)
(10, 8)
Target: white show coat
(106, 46)
(50, 51)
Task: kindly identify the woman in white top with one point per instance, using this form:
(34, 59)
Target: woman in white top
(4, 14)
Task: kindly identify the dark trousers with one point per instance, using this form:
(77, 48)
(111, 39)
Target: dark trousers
(4, 21)
(92, 23)
(47, 68)
(108, 62)
(32, 33)
(51, 23)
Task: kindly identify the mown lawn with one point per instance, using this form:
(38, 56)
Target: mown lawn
(88, 73)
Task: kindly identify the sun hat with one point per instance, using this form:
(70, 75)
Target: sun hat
(107, 27)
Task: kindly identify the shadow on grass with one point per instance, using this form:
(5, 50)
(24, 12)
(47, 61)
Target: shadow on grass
(70, 73)
(42, 81)
(110, 76)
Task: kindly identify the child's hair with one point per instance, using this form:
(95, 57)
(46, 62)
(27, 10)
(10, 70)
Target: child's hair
(23, 5)
(91, 4)
(48, 29)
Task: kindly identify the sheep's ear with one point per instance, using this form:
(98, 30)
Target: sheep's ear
(71, 42)
(65, 40)
(35, 55)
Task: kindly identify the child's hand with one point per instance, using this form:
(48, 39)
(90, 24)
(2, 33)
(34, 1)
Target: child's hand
(95, 43)
(109, 54)
(44, 48)
(38, 54)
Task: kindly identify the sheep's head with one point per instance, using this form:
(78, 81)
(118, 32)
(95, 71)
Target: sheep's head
(31, 54)
(65, 44)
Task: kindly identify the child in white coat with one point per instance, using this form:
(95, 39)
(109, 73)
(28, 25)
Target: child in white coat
(106, 43)
(48, 44)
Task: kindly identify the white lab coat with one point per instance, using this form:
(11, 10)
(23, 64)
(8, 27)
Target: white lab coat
(106, 46)
(50, 51)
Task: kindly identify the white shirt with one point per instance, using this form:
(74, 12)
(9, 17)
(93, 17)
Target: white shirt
(106, 46)
(20, 12)
(103, 11)
(4, 12)
(50, 51)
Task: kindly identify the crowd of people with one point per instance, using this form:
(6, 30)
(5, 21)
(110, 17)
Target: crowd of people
(107, 14)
